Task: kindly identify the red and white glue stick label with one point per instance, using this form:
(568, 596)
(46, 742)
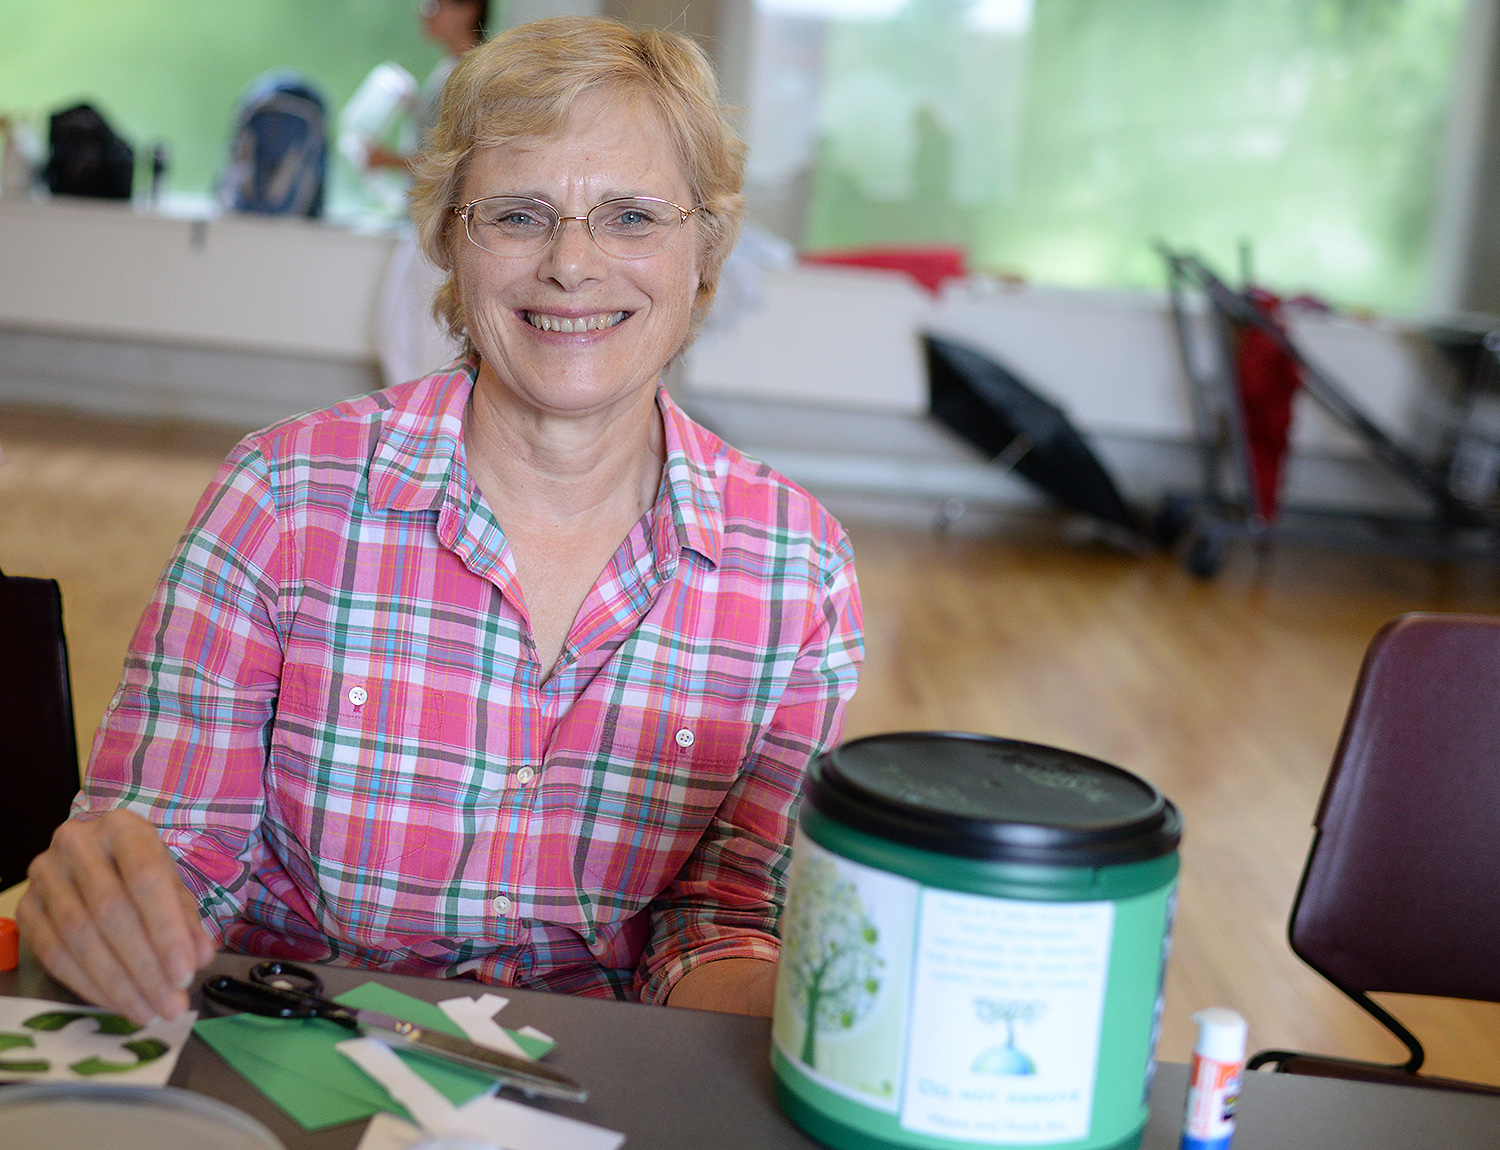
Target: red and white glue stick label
(1214, 1086)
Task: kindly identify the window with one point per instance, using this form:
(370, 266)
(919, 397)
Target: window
(1058, 139)
(174, 70)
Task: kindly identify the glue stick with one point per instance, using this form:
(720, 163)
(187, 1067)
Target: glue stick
(1214, 1086)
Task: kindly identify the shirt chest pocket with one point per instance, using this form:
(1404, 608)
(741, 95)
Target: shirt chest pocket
(687, 760)
(621, 810)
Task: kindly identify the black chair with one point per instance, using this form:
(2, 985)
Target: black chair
(1401, 892)
(38, 747)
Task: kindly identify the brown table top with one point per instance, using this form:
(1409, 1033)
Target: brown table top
(696, 1080)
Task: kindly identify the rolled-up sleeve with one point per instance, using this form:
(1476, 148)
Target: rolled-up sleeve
(727, 899)
(184, 740)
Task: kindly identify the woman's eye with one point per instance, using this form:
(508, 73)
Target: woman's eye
(512, 218)
(631, 219)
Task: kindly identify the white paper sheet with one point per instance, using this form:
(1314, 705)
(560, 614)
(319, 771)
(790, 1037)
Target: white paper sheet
(519, 1127)
(421, 1099)
(44, 1041)
(497, 1122)
(387, 1132)
(476, 1018)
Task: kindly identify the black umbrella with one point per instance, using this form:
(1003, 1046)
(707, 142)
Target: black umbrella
(1000, 415)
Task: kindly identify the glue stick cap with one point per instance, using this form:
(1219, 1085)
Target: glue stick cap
(10, 944)
(1221, 1035)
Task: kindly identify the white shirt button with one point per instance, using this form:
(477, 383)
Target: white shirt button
(684, 738)
(525, 775)
(358, 695)
(501, 904)
(115, 699)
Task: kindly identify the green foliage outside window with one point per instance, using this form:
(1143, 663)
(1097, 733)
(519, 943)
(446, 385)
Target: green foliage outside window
(174, 70)
(1310, 128)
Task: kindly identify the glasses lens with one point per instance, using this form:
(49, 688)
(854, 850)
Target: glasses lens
(636, 227)
(510, 225)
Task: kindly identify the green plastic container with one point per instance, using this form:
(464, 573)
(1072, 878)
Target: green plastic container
(973, 946)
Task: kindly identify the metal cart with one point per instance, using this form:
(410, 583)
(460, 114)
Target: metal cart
(1205, 523)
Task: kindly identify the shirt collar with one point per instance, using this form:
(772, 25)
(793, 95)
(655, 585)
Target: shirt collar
(422, 440)
(690, 485)
(421, 443)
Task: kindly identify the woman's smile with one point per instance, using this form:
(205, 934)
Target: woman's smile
(600, 321)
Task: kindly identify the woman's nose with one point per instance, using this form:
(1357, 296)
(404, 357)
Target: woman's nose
(572, 257)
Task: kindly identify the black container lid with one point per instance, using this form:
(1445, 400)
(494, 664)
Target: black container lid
(997, 799)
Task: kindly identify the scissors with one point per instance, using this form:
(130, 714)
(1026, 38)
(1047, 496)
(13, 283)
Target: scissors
(285, 990)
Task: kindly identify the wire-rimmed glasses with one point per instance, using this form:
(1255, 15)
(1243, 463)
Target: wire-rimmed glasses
(521, 226)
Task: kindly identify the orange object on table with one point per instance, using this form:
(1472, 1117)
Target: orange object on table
(10, 944)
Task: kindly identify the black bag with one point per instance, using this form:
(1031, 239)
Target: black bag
(278, 156)
(87, 158)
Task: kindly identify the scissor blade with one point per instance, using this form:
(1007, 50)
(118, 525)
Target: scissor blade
(531, 1077)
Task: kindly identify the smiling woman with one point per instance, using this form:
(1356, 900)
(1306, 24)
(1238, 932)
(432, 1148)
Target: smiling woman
(544, 323)
(511, 671)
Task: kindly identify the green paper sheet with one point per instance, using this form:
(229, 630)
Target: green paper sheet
(295, 1064)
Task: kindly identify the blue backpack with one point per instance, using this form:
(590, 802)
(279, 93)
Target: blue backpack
(278, 157)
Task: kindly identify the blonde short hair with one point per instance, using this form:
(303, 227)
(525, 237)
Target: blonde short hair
(524, 85)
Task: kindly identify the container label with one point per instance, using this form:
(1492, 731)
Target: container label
(1213, 1093)
(1006, 1009)
(844, 977)
(965, 1017)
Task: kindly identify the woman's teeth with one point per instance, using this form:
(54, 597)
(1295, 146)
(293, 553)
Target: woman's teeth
(581, 323)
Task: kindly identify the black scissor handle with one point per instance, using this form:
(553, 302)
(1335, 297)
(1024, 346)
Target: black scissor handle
(272, 1001)
(287, 976)
(257, 998)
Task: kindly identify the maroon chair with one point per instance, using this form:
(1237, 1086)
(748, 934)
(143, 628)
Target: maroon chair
(1401, 892)
(38, 747)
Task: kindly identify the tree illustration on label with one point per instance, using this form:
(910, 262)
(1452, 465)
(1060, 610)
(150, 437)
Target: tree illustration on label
(829, 954)
(1006, 1058)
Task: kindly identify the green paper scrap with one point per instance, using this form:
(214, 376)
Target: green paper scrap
(295, 1063)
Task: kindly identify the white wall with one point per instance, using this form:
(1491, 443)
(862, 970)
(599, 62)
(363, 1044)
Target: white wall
(231, 319)
(823, 376)
(232, 281)
(852, 338)
(820, 370)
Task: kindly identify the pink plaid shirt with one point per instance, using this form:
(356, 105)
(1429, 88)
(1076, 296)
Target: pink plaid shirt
(333, 712)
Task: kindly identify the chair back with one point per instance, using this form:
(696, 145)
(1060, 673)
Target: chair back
(1402, 883)
(38, 746)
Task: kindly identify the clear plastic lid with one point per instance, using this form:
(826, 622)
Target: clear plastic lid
(45, 1114)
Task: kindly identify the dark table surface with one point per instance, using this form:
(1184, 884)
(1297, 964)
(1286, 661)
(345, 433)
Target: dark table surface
(695, 1080)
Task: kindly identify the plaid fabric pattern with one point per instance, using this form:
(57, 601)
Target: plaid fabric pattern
(332, 710)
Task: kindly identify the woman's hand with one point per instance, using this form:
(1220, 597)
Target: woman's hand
(728, 985)
(107, 914)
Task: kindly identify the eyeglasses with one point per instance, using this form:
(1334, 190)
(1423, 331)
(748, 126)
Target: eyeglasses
(521, 226)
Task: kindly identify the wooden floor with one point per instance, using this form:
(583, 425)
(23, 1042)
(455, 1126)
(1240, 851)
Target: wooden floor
(1227, 694)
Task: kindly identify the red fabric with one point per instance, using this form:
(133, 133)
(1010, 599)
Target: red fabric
(929, 266)
(1268, 378)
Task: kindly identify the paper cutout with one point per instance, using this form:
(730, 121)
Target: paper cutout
(296, 1063)
(476, 1018)
(44, 1041)
(496, 1121)
(387, 1132)
(430, 1109)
